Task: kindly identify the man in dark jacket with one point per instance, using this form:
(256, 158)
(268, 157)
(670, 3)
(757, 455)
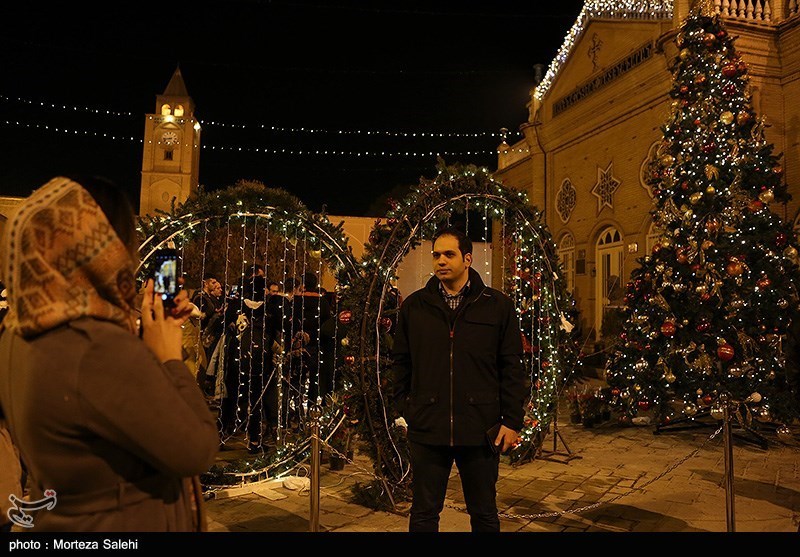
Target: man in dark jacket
(457, 373)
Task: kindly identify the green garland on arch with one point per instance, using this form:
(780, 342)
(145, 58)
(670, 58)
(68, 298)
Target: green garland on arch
(248, 197)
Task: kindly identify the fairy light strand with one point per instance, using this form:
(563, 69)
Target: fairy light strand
(269, 150)
(264, 126)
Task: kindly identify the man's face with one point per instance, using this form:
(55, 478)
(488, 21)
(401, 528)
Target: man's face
(273, 290)
(212, 285)
(448, 263)
(216, 289)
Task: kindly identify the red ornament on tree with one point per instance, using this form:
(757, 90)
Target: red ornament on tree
(345, 317)
(764, 282)
(734, 268)
(386, 324)
(730, 70)
(781, 239)
(350, 359)
(644, 405)
(668, 328)
(709, 147)
(725, 352)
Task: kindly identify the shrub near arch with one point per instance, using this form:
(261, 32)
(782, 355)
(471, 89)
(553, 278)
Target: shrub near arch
(285, 215)
(533, 279)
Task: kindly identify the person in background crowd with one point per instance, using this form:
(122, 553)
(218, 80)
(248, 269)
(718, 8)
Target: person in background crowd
(311, 310)
(289, 336)
(255, 385)
(256, 270)
(209, 303)
(118, 429)
(273, 288)
(459, 384)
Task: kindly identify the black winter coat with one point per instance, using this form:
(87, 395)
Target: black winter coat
(458, 373)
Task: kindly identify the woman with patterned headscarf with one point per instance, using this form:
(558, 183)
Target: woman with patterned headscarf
(112, 428)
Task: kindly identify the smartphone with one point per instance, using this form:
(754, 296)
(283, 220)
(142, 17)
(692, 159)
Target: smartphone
(165, 275)
(491, 435)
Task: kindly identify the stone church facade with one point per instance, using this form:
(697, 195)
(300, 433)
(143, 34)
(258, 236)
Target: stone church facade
(597, 114)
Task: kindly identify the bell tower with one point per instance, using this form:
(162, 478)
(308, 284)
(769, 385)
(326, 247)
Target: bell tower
(171, 155)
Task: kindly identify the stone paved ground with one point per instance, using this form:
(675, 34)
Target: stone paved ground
(616, 479)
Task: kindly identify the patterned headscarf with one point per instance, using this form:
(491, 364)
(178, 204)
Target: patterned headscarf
(63, 261)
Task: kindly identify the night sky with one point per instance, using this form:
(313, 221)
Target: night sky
(403, 67)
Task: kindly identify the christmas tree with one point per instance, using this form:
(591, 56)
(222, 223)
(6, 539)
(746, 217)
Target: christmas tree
(708, 311)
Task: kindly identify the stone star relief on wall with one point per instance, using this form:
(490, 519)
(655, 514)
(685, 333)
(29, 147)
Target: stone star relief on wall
(605, 187)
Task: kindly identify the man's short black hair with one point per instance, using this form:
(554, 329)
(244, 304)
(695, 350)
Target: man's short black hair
(256, 269)
(310, 281)
(270, 283)
(464, 243)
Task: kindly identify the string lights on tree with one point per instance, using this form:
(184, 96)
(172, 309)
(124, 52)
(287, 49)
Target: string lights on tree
(708, 311)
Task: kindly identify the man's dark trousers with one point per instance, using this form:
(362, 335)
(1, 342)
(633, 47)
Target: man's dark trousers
(478, 467)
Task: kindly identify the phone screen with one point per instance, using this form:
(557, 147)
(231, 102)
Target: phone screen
(165, 275)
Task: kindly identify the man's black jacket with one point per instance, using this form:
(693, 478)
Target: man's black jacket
(457, 373)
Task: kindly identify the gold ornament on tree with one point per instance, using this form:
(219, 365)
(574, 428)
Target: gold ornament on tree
(766, 196)
(742, 118)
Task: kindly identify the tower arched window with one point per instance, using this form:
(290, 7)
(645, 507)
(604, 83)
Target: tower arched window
(178, 110)
(166, 110)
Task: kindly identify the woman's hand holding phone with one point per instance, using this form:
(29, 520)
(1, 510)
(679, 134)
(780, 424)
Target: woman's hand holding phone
(162, 327)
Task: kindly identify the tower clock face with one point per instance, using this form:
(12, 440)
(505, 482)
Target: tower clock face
(169, 138)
